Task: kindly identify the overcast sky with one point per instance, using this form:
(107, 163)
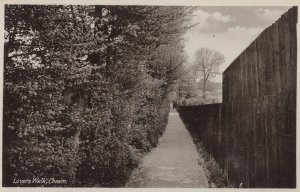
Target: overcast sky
(228, 29)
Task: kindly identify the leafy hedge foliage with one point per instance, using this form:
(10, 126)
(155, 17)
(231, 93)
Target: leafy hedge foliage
(86, 89)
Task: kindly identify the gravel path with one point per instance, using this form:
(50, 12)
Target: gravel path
(173, 163)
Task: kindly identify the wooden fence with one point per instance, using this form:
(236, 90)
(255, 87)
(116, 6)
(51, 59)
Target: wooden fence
(256, 138)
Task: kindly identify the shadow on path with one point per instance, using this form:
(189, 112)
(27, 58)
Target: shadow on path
(173, 163)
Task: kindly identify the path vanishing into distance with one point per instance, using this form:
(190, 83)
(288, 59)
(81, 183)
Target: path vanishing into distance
(173, 163)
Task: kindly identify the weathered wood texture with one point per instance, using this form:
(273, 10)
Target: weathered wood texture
(205, 122)
(256, 138)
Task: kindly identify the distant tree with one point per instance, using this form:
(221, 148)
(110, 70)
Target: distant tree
(186, 86)
(206, 64)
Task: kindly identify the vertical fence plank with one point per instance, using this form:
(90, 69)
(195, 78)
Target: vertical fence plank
(252, 134)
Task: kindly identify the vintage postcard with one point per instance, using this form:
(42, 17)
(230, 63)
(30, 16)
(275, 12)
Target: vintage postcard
(195, 95)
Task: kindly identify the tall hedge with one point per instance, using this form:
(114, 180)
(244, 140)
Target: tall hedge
(86, 89)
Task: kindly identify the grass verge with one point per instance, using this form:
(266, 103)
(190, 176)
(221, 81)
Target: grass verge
(212, 169)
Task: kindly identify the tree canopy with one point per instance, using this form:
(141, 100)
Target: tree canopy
(85, 88)
(207, 62)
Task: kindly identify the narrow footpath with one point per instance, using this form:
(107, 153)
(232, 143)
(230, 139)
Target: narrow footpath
(173, 163)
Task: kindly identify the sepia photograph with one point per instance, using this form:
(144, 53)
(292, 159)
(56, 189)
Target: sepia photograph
(149, 96)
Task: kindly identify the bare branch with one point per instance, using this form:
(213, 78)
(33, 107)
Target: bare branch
(206, 61)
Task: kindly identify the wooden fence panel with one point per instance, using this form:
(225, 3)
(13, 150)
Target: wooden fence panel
(252, 134)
